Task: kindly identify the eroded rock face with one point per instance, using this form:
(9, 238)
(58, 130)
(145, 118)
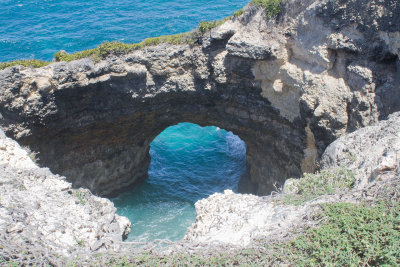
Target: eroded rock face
(372, 152)
(288, 88)
(40, 210)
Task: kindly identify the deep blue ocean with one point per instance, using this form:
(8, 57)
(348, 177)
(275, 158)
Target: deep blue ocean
(188, 162)
(39, 28)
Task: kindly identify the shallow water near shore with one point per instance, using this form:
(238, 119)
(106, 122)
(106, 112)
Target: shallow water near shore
(188, 163)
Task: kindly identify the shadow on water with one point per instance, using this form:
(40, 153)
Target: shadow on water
(188, 163)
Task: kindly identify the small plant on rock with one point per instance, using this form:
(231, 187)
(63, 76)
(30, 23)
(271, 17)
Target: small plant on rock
(81, 196)
(272, 7)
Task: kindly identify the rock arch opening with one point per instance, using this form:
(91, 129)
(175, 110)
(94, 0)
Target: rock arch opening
(188, 163)
(94, 123)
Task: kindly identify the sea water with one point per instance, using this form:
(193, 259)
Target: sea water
(188, 162)
(39, 28)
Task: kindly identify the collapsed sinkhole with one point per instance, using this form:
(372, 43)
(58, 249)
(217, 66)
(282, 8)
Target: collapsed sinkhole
(188, 163)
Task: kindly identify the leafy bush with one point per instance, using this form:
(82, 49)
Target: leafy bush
(272, 7)
(31, 63)
(352, 235)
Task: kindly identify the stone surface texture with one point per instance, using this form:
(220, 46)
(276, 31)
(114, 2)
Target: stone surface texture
(41, 209)
(372, 152)
(287, 86)
(239, 219)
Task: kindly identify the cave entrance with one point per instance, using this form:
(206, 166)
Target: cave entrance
(188, 163)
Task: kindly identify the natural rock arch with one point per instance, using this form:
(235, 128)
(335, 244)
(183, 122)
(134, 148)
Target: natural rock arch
(99, 136)
(287, 89)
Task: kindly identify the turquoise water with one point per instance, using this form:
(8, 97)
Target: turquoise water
(188, 163)
(39, 28)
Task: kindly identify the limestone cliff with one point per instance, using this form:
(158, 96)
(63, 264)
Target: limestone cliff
(288, 86)
(41, 214)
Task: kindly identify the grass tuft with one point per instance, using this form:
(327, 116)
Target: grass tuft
(326, 182)
(272, 7)
(81, 196)
(119, 48)
(31, 63)
(206, 26)
(238, 13)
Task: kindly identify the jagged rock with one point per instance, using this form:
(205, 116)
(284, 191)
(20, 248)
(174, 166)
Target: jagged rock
(371, 152)
(40, 208)
(239, 218)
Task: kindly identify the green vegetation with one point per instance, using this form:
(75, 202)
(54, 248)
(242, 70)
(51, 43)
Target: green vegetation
(206, 26)
(238, 13)
(328, 181)
(247, 257)
(31, 63)
(272, 7)
(352, 235)
(81, 196)
(118, 48)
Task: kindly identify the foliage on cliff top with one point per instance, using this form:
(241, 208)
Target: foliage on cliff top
(206, 26)
(119, 48)
(329, 181)
(351, 235)
(272, 7)
(31, 63)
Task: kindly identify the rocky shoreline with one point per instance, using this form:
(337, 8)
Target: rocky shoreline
(289, 86)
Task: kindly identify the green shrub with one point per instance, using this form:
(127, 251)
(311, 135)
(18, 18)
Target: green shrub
(119, 48)
(352, 235)
(206, 26)
(238, 13)
(272, 7)
(328, 181)
(31, 63)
